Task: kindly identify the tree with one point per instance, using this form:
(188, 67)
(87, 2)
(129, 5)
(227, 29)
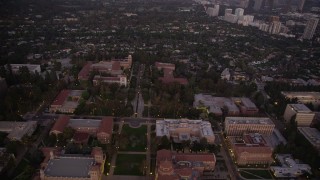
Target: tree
(85, 95)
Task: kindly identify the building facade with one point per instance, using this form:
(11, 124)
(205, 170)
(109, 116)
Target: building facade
(236, 126)
(120, 79)
(184, 130)
(79, 167)
(16, 130)
(310, 28)
(66, 101)
(250, 149)
(171, 165)
(301, 114)
(101, 128)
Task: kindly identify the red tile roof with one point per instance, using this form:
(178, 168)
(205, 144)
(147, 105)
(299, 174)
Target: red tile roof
(168, 73)
(106, 125)
(195, 157)
(61, 98)
(184, 172)
(163, 154)
(161, 65)
(60, 124)
(116, 66)
(84, 73)
(80, 137)
(168, 80)
(253, 149)
(168, 177)
(96, 151)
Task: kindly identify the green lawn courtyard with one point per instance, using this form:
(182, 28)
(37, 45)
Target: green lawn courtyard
(133, 139)
(255, 174)
(130, 164)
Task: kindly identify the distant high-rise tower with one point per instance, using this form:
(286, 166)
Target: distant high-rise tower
(273, 18)
(243, 3)
(213, 11)
(239, 12)
(227, 11)
(310, 28)
(275, 27)
(257, 5)
(301, 4)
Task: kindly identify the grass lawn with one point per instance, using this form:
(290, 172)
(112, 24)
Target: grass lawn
(137, 139)
(250, 174)
(129, 164)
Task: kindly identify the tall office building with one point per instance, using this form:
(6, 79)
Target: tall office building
(239, 12)
(310, 28)
(257, 5)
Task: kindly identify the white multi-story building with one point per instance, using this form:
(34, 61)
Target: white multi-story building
(264, 27)
(16, 130)
(239, 12)
(275, 27)
(236, 126)
(33, 68)
(120, 79)
(289, 167)
(185, 129)
(304, 97)
(231, 18)
(301, 114)
(227, 11)
(310, 28)
(213, 11)
(312, 135)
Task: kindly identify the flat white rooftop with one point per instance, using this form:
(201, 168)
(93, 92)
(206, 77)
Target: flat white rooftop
(311, 134)
(69, 167)
(248, 120)
(300, 108)
(312, 95)
(79, 123)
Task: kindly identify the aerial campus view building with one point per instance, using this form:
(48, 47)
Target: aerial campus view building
(112, 68)
(33, 68)
(250, 148)
(185, 129)
(16, 130)
(57, 166)
(301, 114)
(176, 166)
(100, 128)
(236, 126)
(304, 97)
(289, 167)
(66, 101)
(168, 78)
(234, 105)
